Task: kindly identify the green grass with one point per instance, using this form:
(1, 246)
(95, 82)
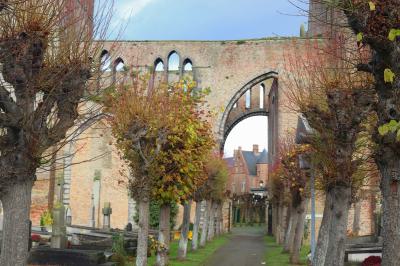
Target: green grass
(194, 258)
(275, 257)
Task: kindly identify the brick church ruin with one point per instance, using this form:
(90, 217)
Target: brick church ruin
(246, 77)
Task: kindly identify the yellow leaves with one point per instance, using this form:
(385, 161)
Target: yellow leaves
(360, 37)
(393, 126)
(372, 6)
(388, 76)
(166, 129)
(393, 34)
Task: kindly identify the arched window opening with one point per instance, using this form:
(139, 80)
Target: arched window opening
(248, 98)
(187, 65)
(119, 64)
(255, 128)
(105, 61)
(159, 65)
(173, 61)
(262, 93)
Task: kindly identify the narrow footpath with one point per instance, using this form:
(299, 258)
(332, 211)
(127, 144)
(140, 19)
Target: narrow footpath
(246, 247)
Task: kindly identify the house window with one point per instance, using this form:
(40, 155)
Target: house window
(243, 186)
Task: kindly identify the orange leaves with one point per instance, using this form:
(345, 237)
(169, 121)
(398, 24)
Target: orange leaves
(162, 136)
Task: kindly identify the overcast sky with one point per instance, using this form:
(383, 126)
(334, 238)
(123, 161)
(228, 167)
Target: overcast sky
(211, 20)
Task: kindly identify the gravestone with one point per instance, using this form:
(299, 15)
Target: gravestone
(68, 219)
(131, 211)
(67, 257)
(59, 233)
(107, 211)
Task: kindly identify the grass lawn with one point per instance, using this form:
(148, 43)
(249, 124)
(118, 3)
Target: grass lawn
(195, 258)
(275, 257)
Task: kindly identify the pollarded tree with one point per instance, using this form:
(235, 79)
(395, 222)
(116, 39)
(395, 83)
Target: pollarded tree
(213, 193)
(280, 200)
(377, 26)
(336, 100)
(162, 139)
(182, 163)
(296, 180)
(45, 56)
(217, 172)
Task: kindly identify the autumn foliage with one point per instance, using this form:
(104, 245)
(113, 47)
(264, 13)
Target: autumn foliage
(164, 137)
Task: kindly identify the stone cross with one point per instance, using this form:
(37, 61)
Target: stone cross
(59, 233)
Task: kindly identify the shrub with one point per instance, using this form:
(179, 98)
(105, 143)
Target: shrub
(372, 261)
(155, 214)
(46, 219)
(36, 238)
(118, 244)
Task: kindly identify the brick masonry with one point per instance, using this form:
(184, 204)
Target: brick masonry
(229, 68)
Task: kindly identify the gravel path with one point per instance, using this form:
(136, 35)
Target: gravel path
(246, 247)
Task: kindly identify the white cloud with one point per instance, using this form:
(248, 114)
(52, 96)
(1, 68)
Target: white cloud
(127, 8)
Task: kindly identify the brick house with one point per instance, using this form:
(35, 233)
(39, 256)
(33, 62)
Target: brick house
(248, 171)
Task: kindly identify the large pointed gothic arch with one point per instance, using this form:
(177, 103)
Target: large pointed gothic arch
(230, 120)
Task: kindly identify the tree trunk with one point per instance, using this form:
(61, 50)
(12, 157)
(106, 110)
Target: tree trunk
(143, 233)
(183, 241)
(391, 215)
(299, 232)
(216, 219)
(278, 222)
(16, 206)
(164, 235)
(274, 219)
(241, 215)
(267, 221)
(219, 219)
(291, 228)
(283, 223)
(341, 202)
(356, 221)
(323, 235)
(196, 225)
(52, 178)
(211, 222)
(204, 228)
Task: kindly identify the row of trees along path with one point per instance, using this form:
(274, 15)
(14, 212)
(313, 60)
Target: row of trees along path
(347, 87)
(290, 193)
(164, 137)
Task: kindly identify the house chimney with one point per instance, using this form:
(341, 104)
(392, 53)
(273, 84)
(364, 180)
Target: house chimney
(236, 152)
(255, 148)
